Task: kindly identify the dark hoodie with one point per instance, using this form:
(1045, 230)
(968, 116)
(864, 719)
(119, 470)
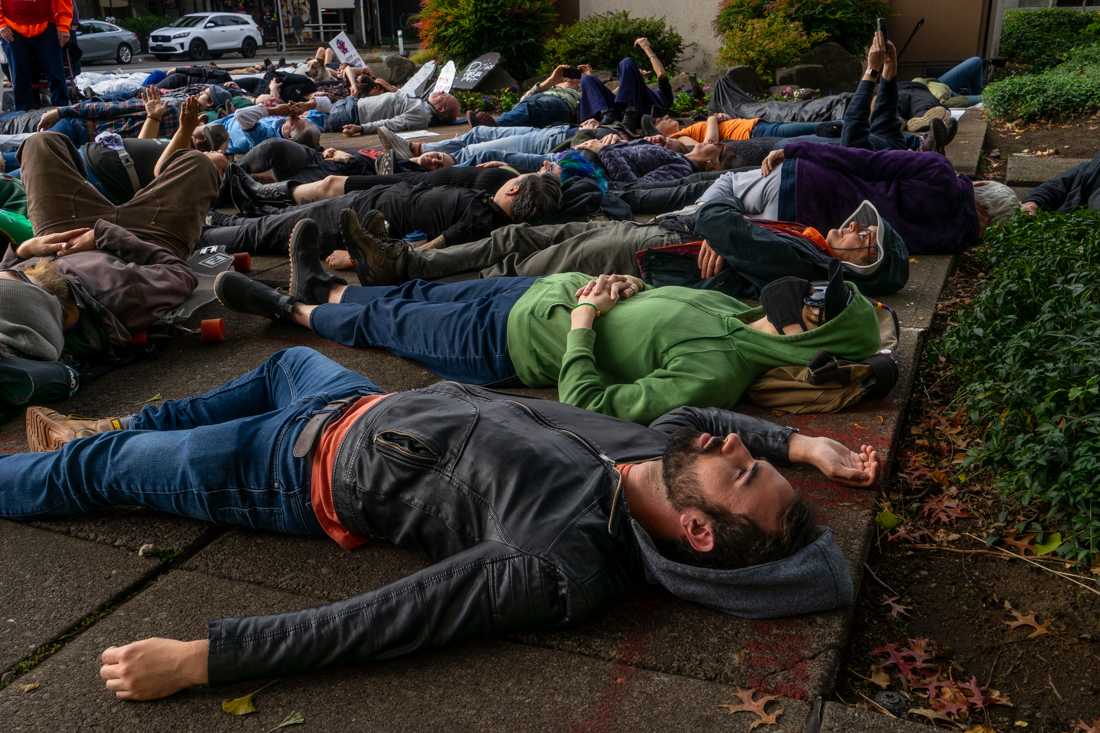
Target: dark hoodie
(757, 255)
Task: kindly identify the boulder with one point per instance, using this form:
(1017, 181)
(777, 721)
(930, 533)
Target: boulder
(802, 75)
(746, 78)
(842, 70)
(400, 69)
(498, 79)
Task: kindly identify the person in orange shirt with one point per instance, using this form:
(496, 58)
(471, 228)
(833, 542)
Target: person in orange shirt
(721, 127)
(33, 32)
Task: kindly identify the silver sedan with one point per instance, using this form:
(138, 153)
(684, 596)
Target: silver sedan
(100, 41)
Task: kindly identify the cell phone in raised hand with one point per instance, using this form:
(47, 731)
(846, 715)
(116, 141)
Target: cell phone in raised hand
(882, 30)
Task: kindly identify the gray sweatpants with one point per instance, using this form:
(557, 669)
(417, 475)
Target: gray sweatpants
(595, 248)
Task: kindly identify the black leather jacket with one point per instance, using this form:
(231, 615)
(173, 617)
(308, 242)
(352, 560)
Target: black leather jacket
(513, 499)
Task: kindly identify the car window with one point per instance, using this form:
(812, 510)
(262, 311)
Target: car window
(89, 28)
(190, 21)
(111, 28)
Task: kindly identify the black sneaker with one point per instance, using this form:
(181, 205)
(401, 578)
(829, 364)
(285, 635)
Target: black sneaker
(243, 294)
(309, 282)
(832, 128)
(935, 140)
(376, 261)
(385, 163)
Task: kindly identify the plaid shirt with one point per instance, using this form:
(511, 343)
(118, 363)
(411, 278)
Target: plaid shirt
(125, 117)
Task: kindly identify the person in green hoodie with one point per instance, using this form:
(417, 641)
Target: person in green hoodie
(612, 345)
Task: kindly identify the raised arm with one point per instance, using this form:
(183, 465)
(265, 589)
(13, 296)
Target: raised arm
(189, 120)
(654, 61)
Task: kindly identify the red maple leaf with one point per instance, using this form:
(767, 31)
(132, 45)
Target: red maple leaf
(944, 508)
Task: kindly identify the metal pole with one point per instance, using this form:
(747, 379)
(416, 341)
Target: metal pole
(364, 38)
(282, 35)
(377, 23)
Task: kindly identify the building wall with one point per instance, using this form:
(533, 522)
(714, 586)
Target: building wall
(693, 20)
(953, 30)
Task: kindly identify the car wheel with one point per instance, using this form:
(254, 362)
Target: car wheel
(248, 47)
(125, 54)
(162, 56)
(197, 50)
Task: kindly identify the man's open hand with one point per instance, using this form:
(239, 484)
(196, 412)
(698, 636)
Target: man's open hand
(190, 112)
(154, 668)
(57, 244)
(774, 159)
(154, 105)
(835, 460)
(351, 130)
(49, 118)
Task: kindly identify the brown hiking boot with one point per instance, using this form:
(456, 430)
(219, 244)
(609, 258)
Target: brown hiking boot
(49, 430)
(377, 260)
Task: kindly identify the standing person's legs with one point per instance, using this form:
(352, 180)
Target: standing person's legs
(49, 58)
(595, 97)
(59, 197)
(175, 458)
(20, 61)
(966, 78)
(458, 330)
(170, 211)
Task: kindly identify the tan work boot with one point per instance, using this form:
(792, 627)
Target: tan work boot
(922, 123)
(49, 430)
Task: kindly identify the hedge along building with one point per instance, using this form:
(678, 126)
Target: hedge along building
(953, 30)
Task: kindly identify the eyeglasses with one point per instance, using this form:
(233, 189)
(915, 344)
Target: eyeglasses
(867, 238)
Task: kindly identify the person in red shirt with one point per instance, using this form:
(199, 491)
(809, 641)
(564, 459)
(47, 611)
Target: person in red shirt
(33, 32)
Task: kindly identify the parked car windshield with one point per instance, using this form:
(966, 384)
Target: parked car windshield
(188, 21)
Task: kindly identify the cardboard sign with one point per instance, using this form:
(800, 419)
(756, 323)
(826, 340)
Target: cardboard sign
(446, 78)
(345, 51)
(476, 71)
(419, 79)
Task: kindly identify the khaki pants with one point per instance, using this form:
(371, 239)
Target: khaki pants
(169, 211)
(595, 248)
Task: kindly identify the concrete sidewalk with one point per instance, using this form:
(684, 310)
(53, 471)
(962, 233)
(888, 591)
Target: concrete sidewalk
(73, 587)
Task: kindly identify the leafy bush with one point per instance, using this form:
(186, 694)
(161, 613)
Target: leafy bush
(501, 101)
(604, 39)
(766, 44)
(1068, 90)
(1027, 354)
(462, 30)
(143, 25)
(848, 22)
(1043, 38)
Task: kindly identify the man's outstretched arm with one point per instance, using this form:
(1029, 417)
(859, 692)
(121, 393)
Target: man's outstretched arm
(189, 120)
(457, 598)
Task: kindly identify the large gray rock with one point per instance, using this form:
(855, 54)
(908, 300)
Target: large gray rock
(746, 78)
(400, 69)
(842, 69)
(812, 76)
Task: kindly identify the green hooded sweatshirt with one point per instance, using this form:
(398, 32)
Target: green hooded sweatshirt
(664, 347)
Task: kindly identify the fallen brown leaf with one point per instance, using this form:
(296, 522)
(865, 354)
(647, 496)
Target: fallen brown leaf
(1027, 619)
(749, 703)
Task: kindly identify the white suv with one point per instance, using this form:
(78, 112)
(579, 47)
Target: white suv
(207, 34)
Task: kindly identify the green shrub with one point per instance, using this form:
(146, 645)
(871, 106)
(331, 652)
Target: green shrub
(495, 102)
(848, 22)
(1026, 352)
(604, 39)
(766, 44)
(143, 25)
(462, 30)
(1068, 90)
(1042, 38)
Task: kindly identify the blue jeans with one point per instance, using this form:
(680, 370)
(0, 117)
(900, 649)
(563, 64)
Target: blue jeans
(783, 129)
(502, 139)
(458, 330)
(225, 456)
(36, 53)
(967, 78)
(538, 110)
(632, 92)
(344, 112)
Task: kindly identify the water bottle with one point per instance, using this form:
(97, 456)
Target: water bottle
(400, 43)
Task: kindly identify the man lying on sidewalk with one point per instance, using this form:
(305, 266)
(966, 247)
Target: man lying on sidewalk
(659, 349)
(393, 110)
(716, 248)
(535, 515)
(446, 215)
(168, 212)
(1077, 188)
